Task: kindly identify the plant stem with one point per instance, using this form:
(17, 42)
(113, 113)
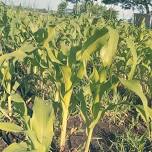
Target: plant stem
(149, 129)
(132, 72)
(9, 106)
(90, 131)
(9, 99)
(63, 129)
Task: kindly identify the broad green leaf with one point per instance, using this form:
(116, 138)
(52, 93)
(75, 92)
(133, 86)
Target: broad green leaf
(109, 50)
(17, 98)
(20, 105)
(42, 122)
(108, 85)
(140, 110)
(103, 76)
(19, 54)
(94, 43)
(81, 71)
(52, 56)
(6, 72)
(99, 90)
(131, 45)
(15, 86)
(95, 75)
(134, 85)
(17, 147)
(83, 108)
(37, 145)
(150, 111)
(96, 109)
(27, 47)
(51, 35)
(66, 72)
(148, 43)
(95, 91)
(67, 98)
(33, 27)
(65, 48)
(10, 127)
(72, 58)
(87, 90)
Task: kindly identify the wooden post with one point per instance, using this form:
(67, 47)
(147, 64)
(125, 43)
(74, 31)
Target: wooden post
(138, 18)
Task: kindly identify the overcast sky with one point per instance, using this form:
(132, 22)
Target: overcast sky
(52, 4)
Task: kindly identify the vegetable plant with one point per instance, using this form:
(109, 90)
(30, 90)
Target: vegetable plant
(38, 128)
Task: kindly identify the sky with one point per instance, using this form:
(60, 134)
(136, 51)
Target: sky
(52, 5)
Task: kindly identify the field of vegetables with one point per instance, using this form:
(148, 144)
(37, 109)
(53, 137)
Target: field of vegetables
(74, 84)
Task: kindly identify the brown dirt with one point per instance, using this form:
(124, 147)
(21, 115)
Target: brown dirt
(103, 135)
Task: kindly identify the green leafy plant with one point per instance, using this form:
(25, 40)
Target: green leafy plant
(144, 110)
(38, 128)
(99, 84)
(7, 62)
(82, 58)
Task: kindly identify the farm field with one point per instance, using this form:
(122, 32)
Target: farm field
(74, 83)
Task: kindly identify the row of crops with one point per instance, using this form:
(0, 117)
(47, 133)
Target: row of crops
(52, 68)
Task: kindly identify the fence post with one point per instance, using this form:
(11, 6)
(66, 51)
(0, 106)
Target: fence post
(138, 18)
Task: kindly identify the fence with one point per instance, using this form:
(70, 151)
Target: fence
(138, 18)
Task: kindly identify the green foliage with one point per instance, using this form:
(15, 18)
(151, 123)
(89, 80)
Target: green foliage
(131, 3)
(17, 147)
(38, 128)
(61, 8)
(72, 63)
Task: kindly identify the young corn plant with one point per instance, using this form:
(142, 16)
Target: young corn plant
(6, 83)
(144, 110)
(105, 41)
(59, 71)
(38, 128)
(7, 65)
(96, 111)
(65, 102)
(134, 60)
(135, 86)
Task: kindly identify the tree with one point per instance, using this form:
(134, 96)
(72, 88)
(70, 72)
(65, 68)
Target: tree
(77, 1)
(61, 8)
(76, 4)
(131, 3)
